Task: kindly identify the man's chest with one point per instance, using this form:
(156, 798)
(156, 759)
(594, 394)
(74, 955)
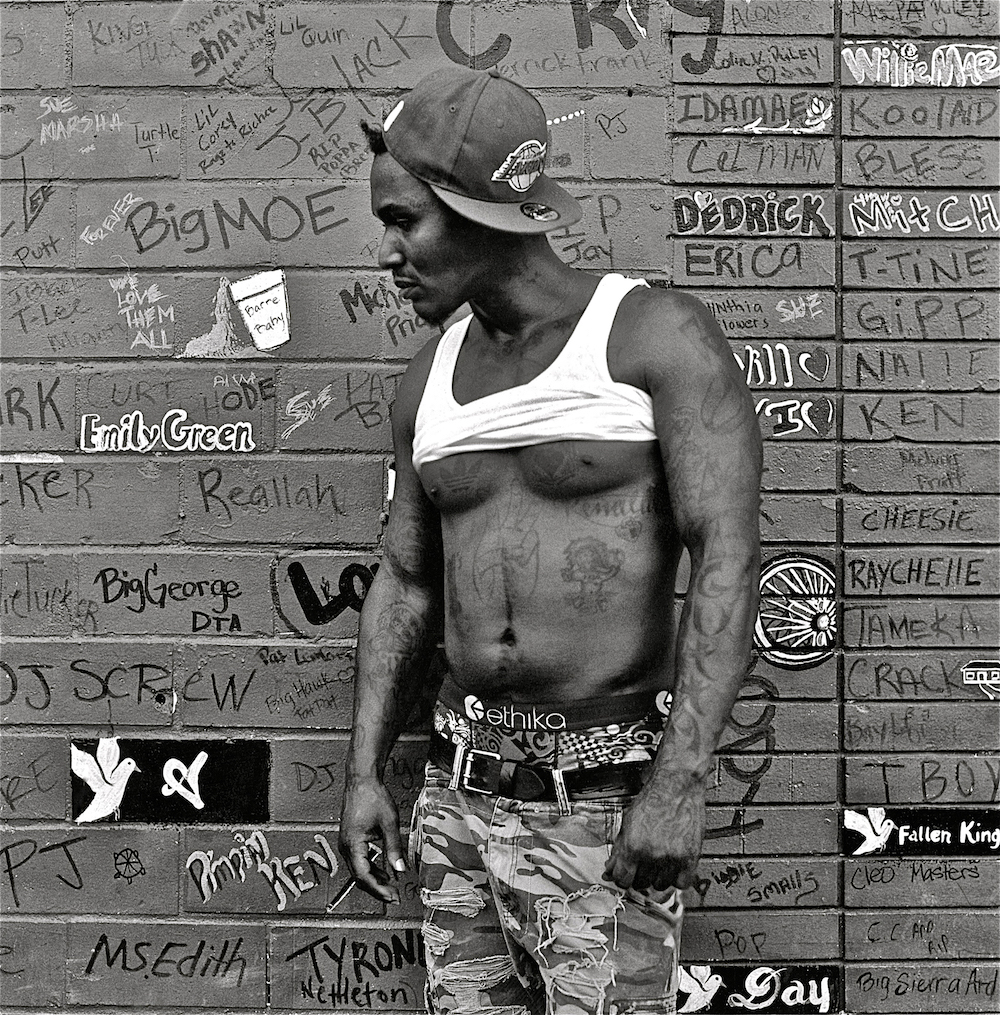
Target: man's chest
(555, 471)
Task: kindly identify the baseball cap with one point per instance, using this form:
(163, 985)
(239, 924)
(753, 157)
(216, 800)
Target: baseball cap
(479, 141)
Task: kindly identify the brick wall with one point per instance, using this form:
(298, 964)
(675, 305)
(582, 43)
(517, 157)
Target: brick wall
(840, 218)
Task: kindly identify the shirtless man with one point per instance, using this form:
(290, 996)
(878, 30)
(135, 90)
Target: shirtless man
(555, 453)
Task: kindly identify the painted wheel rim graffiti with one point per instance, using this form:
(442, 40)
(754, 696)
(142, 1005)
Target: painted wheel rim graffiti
(797, 620)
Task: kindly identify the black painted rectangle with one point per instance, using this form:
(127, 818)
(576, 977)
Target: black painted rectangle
(230, 781)
(922, 831)
(717, 988)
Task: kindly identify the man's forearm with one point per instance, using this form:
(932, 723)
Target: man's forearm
(715, 636)
(397, 636)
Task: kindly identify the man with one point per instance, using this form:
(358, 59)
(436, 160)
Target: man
(555, 452)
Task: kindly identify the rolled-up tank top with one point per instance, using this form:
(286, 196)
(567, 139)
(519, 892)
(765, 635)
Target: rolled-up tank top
(574, 398)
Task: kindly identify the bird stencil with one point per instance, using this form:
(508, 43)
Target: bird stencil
(874, 826)
(106, 776)
(701, 985)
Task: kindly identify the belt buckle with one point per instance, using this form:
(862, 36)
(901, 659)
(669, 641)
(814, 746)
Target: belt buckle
(461, 746)
(467, 764)
(559, 784)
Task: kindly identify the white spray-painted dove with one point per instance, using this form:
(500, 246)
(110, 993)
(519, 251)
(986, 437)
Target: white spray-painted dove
(874, 826)
(701, 985)
(107, 777)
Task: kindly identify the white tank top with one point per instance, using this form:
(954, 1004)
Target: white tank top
(574, 398)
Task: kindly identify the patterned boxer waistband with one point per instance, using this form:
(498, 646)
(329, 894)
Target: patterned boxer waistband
(628, 728)
(552, 717)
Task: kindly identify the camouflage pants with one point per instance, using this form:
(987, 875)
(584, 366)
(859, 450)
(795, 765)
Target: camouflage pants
(518, 917)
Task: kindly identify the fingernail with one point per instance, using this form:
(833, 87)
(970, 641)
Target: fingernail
(399, 865)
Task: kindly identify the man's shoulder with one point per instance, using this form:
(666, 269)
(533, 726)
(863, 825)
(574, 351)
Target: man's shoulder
(657, 306)
(667, 328)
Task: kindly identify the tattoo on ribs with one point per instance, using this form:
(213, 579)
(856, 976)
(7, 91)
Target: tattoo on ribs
(591, 564)
(624, 512)
(506, 556)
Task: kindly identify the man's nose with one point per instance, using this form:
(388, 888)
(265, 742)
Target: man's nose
(389, 254)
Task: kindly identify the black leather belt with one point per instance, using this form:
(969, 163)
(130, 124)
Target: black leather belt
(486, 772)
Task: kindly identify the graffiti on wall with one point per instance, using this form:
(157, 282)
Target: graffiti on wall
(174, 432)
(908, 64)
(189, 781)
(287, 877)
(985, 674)
(106, 774)
(796, 623)
(815, 120)
(922, 831)
(761, 988)
(758, 198)
(143, 312)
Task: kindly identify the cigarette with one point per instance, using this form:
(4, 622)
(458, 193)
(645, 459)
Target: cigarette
(374, 854)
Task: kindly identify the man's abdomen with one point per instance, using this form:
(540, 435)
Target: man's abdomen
(566, 591)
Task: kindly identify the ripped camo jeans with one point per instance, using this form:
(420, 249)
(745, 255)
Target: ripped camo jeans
(519, 920)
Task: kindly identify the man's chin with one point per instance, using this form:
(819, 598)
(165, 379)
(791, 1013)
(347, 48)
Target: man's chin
(434, 313)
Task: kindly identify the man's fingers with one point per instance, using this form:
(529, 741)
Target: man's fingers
(393, 848)
(620, 872)
(366, 875)
(686, 876)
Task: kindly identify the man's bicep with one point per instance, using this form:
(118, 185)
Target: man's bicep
(412, 545)
(713, 472)
(708, 433)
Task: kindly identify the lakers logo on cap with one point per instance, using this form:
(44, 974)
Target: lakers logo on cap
(522, 166)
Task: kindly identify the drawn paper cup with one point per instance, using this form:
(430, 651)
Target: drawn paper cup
(263, 302)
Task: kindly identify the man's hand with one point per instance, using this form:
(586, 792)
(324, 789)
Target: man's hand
(659, 844)
(370, 814)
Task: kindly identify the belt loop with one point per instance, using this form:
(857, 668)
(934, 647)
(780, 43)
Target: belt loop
(457, 763)
(562, 796)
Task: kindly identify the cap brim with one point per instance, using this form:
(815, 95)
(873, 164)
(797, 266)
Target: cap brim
(545, 206)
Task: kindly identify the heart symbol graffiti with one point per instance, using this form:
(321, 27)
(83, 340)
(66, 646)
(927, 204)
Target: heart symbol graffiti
(703, 198)
(817, 356)
(821, 416)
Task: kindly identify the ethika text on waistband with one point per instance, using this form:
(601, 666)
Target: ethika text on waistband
(514, 717)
